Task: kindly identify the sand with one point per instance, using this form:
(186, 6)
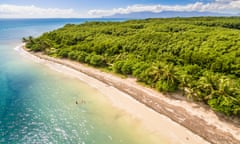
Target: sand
(179, 121)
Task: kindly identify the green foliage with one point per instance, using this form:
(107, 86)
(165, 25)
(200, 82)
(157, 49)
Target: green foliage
(117, 67)
(166, 86)
(200, 56)
(63, 53)
(82, 56)
(97, 60)
(225, 104)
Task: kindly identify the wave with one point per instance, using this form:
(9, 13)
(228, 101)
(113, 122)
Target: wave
(19, 47)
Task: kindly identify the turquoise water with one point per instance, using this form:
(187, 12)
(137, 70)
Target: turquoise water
(37, 104)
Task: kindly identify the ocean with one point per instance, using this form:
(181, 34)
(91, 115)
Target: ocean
(37, 104)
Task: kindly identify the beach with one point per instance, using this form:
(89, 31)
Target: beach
(177, 120)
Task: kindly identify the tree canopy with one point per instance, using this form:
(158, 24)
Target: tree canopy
(199, 56)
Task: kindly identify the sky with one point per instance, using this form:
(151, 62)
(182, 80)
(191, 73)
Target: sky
(99, 8)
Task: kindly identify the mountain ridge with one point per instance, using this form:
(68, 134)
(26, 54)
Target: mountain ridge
(166, 14)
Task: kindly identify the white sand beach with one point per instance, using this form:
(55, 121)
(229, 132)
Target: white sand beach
(179, 121)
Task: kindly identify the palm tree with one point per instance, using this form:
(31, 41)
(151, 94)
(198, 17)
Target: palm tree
(206, 88)
(225, 88)
(169, 73)
(156, 72)
(24, 39)
(30, 40)
(165, 76)
(185, 79)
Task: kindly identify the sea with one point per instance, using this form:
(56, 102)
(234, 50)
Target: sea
(38, 104)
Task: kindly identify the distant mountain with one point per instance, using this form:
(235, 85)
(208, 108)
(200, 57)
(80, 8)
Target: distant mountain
(165, 14)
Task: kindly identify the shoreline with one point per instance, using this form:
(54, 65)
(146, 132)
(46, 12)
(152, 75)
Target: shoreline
(200, 121)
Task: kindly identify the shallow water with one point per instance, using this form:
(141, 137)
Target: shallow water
(38, 105)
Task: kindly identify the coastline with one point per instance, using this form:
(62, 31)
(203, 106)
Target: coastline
(203, 123)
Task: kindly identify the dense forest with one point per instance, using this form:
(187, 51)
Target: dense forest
(198, 56)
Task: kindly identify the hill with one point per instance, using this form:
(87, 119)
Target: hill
(165, 14)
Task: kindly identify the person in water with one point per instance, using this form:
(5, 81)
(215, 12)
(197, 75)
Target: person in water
(82, 101)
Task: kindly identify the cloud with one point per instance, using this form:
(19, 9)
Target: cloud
(15, 11)
(221, 6)
(31, 11)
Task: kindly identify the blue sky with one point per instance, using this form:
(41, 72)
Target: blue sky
(97, 8)
(91, 4)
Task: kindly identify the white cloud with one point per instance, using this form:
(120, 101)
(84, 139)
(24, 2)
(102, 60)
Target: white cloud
(15, 11)
(221, 6)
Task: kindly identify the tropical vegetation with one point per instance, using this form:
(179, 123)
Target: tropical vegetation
(198, 56)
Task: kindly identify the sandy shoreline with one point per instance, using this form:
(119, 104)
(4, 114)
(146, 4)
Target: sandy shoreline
(200, 121)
